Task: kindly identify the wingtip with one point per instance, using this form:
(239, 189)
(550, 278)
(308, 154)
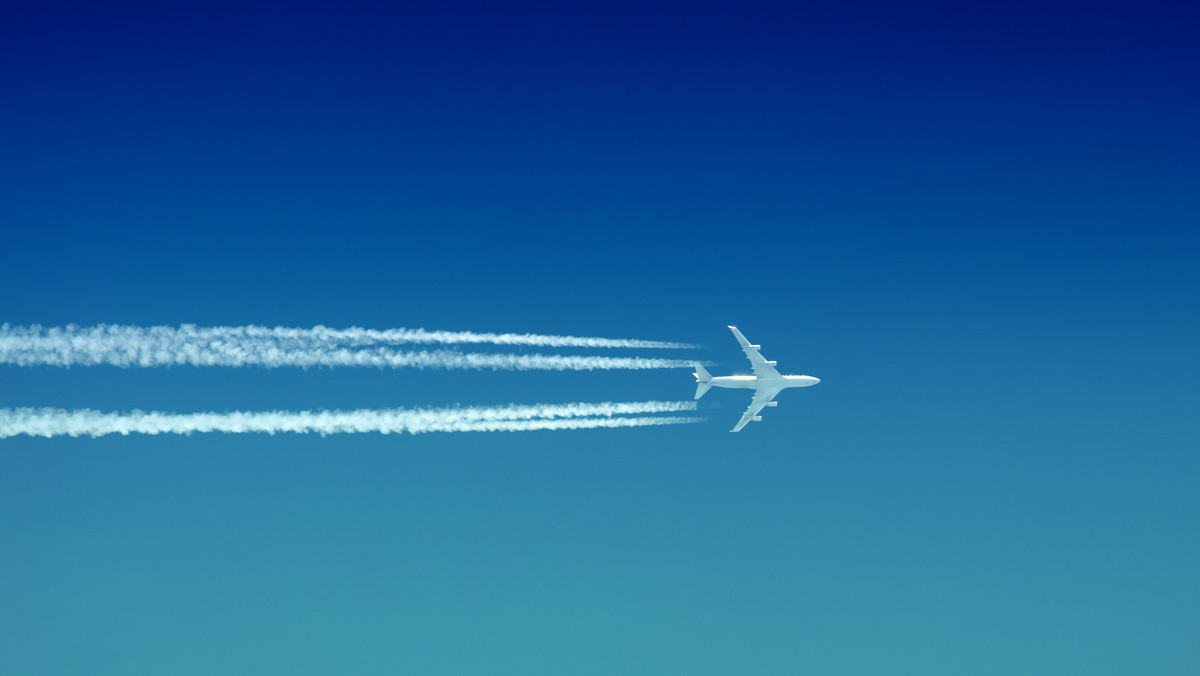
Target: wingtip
(731, 326)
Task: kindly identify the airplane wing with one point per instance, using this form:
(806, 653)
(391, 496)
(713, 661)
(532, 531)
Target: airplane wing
(761, 366)
(762, 397)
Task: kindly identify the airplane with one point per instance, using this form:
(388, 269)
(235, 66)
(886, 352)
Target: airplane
(766, 381)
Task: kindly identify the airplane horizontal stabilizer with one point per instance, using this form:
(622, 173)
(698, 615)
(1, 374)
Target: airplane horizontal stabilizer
(702, 378)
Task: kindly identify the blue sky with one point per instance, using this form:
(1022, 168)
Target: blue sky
(976, 226)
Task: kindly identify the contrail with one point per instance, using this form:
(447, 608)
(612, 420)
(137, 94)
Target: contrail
(127, 346)
(319, 335)
(270, 356)
(52, 422)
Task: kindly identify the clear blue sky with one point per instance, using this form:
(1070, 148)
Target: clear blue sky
(977, 227)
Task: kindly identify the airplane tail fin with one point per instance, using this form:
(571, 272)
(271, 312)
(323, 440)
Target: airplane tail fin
(702, 378)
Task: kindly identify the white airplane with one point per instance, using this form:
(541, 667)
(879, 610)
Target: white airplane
(766, 381)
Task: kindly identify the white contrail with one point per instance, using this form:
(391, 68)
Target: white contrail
(60, 337)
(258, 346)
(270, 356)
(52, 422)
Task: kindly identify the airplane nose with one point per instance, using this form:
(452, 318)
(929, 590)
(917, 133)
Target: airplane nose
(816, 380)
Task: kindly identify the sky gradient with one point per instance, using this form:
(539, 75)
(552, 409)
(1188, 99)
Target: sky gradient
(977, 227)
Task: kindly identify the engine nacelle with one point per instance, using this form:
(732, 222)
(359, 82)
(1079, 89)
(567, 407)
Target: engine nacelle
(772, 403)
(757, 418)
(756, 347)
(772, 363)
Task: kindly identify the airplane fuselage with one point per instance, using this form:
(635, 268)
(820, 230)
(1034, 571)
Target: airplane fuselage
(755, 382)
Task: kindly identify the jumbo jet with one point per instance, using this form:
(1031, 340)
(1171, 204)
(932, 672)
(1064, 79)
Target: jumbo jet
(766, 381)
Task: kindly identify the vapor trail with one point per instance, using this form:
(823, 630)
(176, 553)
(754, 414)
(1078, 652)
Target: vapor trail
(51, 422)
(127, 346)
(270, 356)
(60, 338)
